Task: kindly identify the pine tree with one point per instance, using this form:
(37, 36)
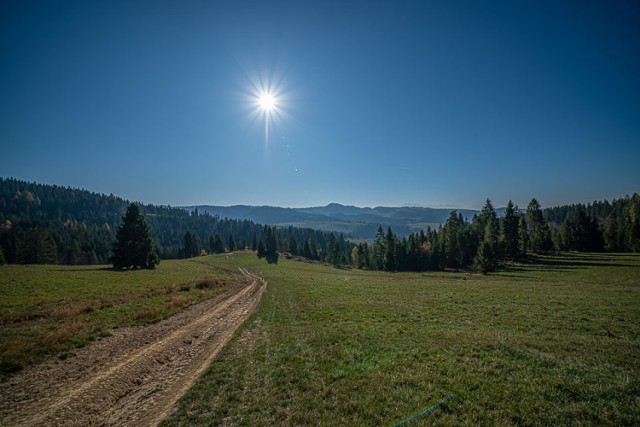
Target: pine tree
(402, 254)
(134, 247)
(231, 243)
(313, 248)
(343, 254)
(390, 257)
(261, 251)
(611, 233)
(633, 224)
(452, 250)
(73, 253)
(487, 257)
(254, 242)
(565, 236)
(539, 233)
(191, 246)
(333, 250)
(211, 244)
(366, 255)
(293, 246)
(271, 246)
(218, 246)
(37, 247)
(378, 250)
(509, 231)
(580, 233)
(523, 236)
(306, 250)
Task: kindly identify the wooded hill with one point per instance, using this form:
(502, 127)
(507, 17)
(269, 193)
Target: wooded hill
(54, 224)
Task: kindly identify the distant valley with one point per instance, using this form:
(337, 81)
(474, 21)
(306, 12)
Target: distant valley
(353, 221)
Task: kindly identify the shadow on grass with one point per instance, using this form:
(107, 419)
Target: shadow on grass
(578, 260)
(565, 261)
(102, 268)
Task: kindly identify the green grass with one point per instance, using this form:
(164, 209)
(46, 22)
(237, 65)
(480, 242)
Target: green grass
(556, 342)
(51, 309)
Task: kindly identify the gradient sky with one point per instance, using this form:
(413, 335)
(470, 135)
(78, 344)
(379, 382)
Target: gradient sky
(433, 103)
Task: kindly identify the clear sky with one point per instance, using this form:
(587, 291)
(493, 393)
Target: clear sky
(434, 103)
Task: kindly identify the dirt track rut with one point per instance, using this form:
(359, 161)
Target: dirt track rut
(134, 377)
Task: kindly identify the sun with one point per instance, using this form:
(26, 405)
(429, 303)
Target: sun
(267, 101)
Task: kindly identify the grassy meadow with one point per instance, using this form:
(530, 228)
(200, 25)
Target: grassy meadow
(51, 309)
(553, 342)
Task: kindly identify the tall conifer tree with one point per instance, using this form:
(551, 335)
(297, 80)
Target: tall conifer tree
(134, 247)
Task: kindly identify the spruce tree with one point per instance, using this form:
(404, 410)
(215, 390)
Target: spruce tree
(452, 242)
(633, 224)
(612, 239)
(254, 242)
(566, 236)
(271, 246)
(390, 257)
(523, 236)
(378, 250)
(539, 233)
(134, 247)
(486, 258)
(333, 250)
(218, 246)
(366, 255)
(293, 246)
(191, 246)
(37, 247)
(261, 253)
(358, 256)
(211, 244)
(509, 231)
(306, 250)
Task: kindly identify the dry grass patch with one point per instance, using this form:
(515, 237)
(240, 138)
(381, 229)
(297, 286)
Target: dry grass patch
(48, 310)
(178, 301)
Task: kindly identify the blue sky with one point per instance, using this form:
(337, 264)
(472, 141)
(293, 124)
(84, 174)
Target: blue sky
(431, 103)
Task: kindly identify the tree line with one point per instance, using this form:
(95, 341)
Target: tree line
(598, 226)
(53, 224)
(487, 241)
(460, 244)
(49, 224)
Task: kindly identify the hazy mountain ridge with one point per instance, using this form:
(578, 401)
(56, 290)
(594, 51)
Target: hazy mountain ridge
(354, 221)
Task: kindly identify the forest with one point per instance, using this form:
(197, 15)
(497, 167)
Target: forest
(486, 241)
(49, 224)
(54, 224)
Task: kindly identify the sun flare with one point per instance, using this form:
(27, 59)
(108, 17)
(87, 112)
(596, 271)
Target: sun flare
(267, 101)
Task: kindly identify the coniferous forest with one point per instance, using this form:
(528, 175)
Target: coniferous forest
(53, 224)
(49, 224)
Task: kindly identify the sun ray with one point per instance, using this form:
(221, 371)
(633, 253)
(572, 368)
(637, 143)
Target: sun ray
(266, 99)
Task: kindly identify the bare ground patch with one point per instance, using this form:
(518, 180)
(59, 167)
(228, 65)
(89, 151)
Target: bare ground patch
(136, 375)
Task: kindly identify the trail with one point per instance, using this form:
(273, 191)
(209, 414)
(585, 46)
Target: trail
(136, 376)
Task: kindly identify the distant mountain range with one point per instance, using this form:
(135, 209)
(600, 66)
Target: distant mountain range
(353, 221)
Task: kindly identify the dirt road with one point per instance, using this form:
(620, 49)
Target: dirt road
(133, 377)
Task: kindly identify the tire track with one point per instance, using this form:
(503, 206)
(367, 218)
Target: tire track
(134, 377)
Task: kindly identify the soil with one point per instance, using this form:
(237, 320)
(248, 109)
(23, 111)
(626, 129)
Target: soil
(135, 376)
